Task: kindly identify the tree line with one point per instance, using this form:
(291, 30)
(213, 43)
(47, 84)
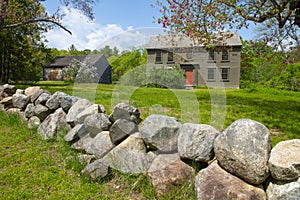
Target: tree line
(265, 62)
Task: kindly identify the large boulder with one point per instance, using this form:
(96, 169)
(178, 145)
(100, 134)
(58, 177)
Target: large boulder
(283, 189)
(100, 145)
(214, 183)
(55, 100)
(96, 123)
(243, 149)
(284, 161)
(9, 89)
(33, 92)
(92, 109)
(76, 109)
(130, 156)
(53, 125)
(160, 132)
(121, 129)
(76, 133)
(97, 169)
(82, 143)
(68, 101)
(125, 111)
(7, 101)
(30, 110)
(43, 98)
(20, 101)
(41, 111)
(19, 91)
(168, 170)
(196, 141)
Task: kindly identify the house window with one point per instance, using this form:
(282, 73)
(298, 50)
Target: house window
(170, 57)
(211, 74)
(189, 56)
(211, 55)
(158, 57)
(225, 74)
(225, 55)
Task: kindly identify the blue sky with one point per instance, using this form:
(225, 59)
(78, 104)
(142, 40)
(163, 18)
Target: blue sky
(121, 23)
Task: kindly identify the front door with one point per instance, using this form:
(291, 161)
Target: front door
(189, 73)
(189, 77)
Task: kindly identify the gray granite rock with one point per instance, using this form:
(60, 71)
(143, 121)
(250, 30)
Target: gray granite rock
(54, 101)
(41, 111)
(97, 122)
(121, 129)
(34, 122)
(160, 132)
(68, 101)
(29, 111)
(76, 109)
(214, 183)
(20, 101)
(43, 98)
(19, 91)
(7, 101)
(130, 156)
(33, 92)
(243, 149)
(196, 142)
(168, 170)
(82, 143)
(76, 133)
(284, 190)
(284, 161)
(100, 145)
(97, 169)
(125, 111)
(9, 89)
(85, 159)
(92, 109)
(52, 126)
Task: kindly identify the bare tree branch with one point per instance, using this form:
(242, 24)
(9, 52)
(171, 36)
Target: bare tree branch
(31, 21)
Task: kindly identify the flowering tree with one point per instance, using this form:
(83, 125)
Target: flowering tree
(201, 18)
(81, 72)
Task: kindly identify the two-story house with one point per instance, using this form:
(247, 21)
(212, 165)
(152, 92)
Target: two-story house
(215, 66)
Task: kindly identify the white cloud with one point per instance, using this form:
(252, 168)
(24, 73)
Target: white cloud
(90, 35)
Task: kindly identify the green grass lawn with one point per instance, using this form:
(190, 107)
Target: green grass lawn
(31, 168)
(278, 110)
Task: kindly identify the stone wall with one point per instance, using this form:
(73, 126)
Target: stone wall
(238, 163)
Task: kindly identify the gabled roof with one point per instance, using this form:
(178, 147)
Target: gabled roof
(179, 41)
(63, 61)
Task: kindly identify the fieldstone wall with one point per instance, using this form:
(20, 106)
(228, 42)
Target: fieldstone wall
(237, 163)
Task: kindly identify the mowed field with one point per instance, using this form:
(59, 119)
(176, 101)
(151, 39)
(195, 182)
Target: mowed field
(278, 110)
(31, 168)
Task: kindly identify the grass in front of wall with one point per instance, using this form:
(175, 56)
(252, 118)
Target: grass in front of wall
(31, 168)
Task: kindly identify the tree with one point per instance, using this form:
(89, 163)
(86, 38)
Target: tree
(283, 39)
(22, 52)
(127, 61)
(199, 19)
(46, 20)
(109, 52)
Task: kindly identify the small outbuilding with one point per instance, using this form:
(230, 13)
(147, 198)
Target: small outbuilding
(53, 71)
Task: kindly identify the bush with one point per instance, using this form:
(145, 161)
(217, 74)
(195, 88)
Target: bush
(155, 77)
